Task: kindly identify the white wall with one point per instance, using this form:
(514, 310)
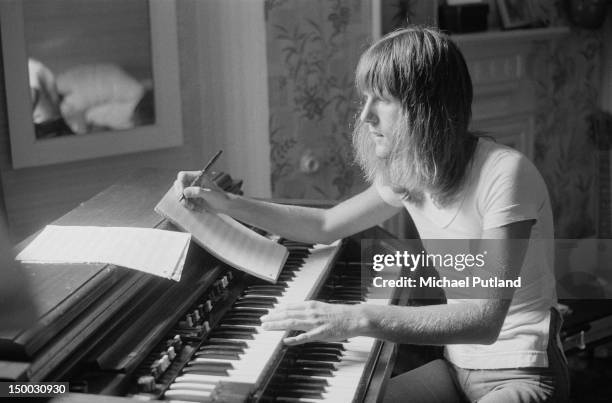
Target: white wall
(234, 90)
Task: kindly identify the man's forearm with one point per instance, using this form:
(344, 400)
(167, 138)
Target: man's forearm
(463, 323)
(305, 224)
(298, 223)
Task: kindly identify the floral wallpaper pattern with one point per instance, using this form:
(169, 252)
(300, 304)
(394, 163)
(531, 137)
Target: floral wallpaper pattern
(313, 47)
(567, 82)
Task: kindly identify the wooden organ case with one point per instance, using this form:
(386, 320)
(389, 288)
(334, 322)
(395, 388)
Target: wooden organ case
(116, 334)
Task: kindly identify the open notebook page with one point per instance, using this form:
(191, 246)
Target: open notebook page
(153, 251)
(226, 239)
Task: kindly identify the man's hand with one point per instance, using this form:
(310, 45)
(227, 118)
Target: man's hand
(319, 321)
(203, 195)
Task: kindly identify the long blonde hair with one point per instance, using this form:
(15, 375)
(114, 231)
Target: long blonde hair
(431, 144)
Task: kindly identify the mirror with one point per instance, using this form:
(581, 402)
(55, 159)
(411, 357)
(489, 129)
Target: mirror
(92, 78)
(89, 65)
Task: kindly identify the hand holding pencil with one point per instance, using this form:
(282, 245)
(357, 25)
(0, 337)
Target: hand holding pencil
(197, 191)
(203, 172)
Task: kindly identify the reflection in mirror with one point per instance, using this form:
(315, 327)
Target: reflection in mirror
(89, 64)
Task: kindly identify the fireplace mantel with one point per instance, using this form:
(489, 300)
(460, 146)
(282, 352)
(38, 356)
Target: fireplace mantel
(504, 96)
(514, 36)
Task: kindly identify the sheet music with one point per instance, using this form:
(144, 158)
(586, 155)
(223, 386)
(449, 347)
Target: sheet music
(227, 239)
(153, 251)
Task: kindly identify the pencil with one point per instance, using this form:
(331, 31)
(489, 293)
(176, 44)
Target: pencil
(203, 171)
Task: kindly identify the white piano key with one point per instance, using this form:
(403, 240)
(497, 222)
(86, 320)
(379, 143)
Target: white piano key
(201, 386)
(188, 395)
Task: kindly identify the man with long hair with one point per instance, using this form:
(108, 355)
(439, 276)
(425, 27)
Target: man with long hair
(413, 143)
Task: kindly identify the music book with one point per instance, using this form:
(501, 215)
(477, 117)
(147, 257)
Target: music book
(153, 251)
(226, 239)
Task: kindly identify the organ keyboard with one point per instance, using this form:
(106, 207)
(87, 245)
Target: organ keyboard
(239, 330)
(326, 372)
(124, 334)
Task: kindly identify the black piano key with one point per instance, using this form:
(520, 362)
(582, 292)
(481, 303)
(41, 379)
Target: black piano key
(257, 298)
(268, 291)
(220, 348)
(288, 383)
(270, 288)
(225, 342)
(295, 249)
(242, 315)
(277, 285)
(280, 283)
(253, 303)
(334, 351)
(232, 335)
(283, 388)
(310, 371)
(241, 311)
(314, 364)
(302, 382)
(233, 330)
(310, 379)
(273, 293)
(322, 357)
(299, 251)
(242, 320)
(249, 310)
(292, 268)
(295, 260)
(323, 349)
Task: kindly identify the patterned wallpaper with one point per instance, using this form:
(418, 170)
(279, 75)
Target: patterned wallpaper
(312, 51)
(313, 48)
(567, 75)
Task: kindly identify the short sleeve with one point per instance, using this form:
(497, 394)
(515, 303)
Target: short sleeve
(511, 190)
(388, 195)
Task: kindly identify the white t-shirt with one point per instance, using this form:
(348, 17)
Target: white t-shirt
(502, 186)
